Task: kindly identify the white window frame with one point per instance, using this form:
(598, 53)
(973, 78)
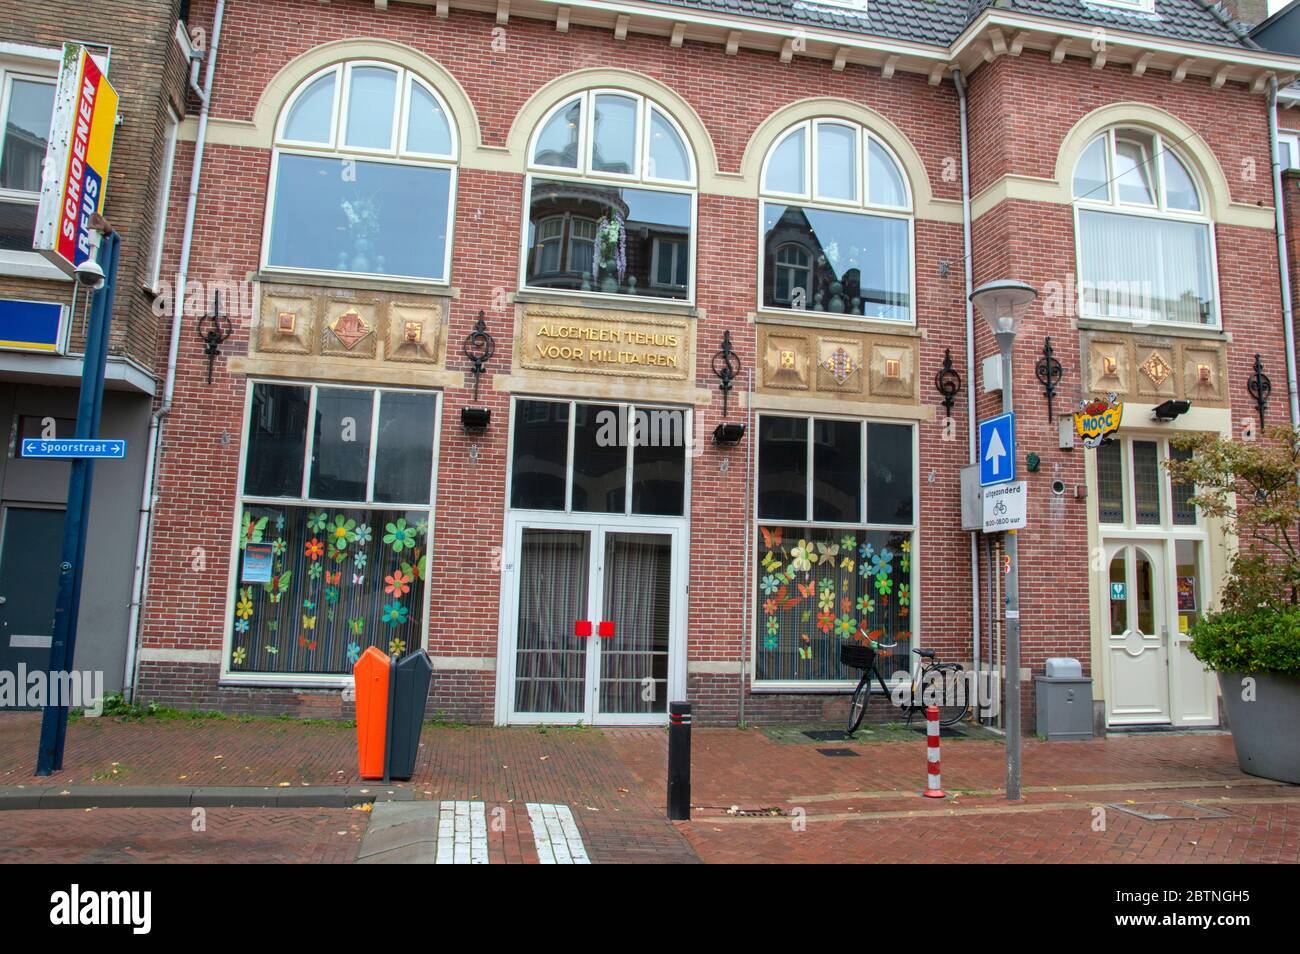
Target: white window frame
(677, 249)
(809, 198)
(1137, 6)
(1166, 527)
(625, 407)
(162, 201)
(25, 262)
(335, 148)
(913, 528)
(320, 680)
(586, 147)
(1291, 138)
(1111, 203)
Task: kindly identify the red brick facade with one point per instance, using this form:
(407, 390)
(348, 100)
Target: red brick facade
(1021, 108)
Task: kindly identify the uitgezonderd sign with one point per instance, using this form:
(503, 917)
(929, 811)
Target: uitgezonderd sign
(635, 346)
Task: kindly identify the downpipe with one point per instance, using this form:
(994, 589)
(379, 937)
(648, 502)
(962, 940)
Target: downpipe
(144, 529)
(1279, 216)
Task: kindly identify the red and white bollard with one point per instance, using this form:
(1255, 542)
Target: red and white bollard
(934, 784)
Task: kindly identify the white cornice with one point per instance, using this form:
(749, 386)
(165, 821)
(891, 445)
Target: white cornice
(837, 46)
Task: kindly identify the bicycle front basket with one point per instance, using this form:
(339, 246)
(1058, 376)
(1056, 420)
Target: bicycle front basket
(857, 656)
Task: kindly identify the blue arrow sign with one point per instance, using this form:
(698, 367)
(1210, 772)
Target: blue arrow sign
(998, 449)
(74, 447)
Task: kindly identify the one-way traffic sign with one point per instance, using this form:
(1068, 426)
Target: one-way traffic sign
(998, 449)
(67, 447)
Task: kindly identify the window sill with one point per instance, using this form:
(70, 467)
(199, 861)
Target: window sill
(824, 319)
(413, 286)
(1151, 328)
(30, 265)
(607, 302)
(282, 680)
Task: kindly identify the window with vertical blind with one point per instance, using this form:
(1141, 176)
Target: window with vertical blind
(836, 516)
(332, 538)
(1144, 239)
(26, 110)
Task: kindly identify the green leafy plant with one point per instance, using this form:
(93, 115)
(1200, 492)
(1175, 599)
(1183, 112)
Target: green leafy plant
(1266, 640)
(1252, 488)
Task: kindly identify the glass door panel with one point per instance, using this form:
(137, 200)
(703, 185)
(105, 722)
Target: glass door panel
(1138, 681)
(554, 630)
(635, 624)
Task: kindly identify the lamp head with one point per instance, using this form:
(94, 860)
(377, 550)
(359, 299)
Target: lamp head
(1002, 304)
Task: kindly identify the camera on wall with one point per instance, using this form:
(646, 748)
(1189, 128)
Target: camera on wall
(90, 275)
(1058, 487)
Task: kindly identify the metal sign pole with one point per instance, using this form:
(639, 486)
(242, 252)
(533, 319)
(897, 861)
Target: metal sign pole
(1012, 657)
(54, 722)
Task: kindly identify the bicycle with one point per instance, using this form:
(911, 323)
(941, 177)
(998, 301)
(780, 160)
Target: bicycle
(937, 682)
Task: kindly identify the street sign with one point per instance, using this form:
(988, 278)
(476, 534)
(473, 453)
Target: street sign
(998, 449)
(76, 160)
(66, 447)
(1004, 507)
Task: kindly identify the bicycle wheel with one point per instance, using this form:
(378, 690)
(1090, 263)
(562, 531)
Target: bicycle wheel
(858, 704)
(946, 686)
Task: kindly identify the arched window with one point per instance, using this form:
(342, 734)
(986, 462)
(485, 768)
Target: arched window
(1145, 241)
(611, 199)
(363, 180)
(837, 224)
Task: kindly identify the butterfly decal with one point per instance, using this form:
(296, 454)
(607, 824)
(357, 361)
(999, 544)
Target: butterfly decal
(771, 538)
(272, 650)
(304, 641)
(771, 563)
(278, 586)
(308, 622)
(827, 552)
(356, 625)
(807, 589)
(333, 579)
(358, 578)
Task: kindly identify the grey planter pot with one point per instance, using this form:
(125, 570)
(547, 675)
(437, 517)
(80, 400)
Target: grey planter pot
(1265, 732)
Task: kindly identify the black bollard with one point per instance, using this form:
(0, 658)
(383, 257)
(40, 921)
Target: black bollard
(679, 761)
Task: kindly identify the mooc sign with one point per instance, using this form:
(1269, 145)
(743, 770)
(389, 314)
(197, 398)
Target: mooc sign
(76, 160)
(1098, 418)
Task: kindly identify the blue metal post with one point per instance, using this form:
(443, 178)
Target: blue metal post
(90, 403)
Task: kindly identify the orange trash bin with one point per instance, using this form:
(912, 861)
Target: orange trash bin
(372, 674)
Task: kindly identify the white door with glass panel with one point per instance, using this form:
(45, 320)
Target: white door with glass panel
(1138, 634)
(595, 623)
(1154, 580)
(593, 605)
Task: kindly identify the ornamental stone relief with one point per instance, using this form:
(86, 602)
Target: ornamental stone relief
(1154, 368)
(346, 328)
(843, 365)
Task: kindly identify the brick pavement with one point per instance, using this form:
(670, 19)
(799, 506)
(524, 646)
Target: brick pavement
(167, 835)
(862, 807)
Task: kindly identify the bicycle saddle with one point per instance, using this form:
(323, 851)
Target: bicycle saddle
(924, 653)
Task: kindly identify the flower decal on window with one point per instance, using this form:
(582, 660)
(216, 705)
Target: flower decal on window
(239, 655)
(396, 646)
(398, 583)
(343, 532)
(394, 613)
(314, 549)
(398, 535)
(354, 653)
(364, 534)
(317, 521)
(244, 608)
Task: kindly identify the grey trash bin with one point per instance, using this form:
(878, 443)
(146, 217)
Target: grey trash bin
(411, 679)
(1064, 697)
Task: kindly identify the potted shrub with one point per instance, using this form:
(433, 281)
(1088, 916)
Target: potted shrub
(1253, 641)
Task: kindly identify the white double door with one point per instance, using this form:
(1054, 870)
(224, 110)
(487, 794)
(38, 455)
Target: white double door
(1153, 593)
(592, 621)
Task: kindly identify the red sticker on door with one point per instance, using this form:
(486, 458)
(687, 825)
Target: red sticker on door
(582, 627)
(606, 627)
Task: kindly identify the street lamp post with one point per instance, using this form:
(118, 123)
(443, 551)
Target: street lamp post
(1002, 304)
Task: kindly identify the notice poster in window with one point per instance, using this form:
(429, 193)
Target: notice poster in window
(257, 563)
(1186, 594)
